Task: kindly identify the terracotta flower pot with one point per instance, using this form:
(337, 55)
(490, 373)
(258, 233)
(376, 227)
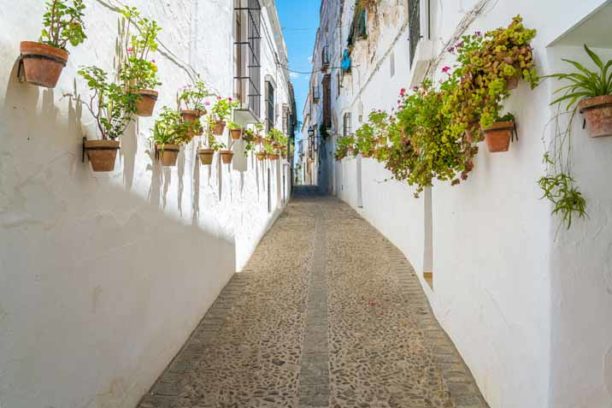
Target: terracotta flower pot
(190, 115)
(498, 136)
(219, 127)
(206, 156)
(227, 156)
(597, 112)
(42, 63)
(146, 102)
(512, 83)
(168, 154)
(236, 134)
(273, 156)
(102, 154)
(261, 156)
(259, 140)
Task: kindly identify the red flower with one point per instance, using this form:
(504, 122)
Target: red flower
(446, 69)
(403, 91)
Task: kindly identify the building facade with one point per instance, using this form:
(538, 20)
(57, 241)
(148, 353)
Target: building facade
(526, 301)
(104, 275)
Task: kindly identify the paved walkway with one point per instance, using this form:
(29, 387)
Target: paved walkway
(328, 314)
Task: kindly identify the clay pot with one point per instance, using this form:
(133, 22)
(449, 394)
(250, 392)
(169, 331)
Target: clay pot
(219, 127)
(512, 83)
(146, 102)
(206, 156)
(498, 136)
(597, 113)
(226, 156)
(168, 154)
(273, 156)
(259, 140)
(101, 154)
(261, 156)
(42, 63)
(236, 134)
(190, 115)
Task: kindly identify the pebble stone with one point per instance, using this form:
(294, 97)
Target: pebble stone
(328, 313)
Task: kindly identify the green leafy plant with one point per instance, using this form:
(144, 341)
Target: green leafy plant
(138, 70)
(111, 106)
(584, 83)
(170, 128)
(278, 137)
(345, 146)
(63, 23)
(233, 125)
(194, 97)
(222, 109)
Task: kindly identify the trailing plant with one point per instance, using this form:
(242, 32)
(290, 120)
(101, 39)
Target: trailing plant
(63, 23)
(138, 70)
(345, 146)
(111, 106)
(222, 109)
(170, 128)
(374, 134)
(277, 136)
(194, 97)
(584, 83)
(249, 139)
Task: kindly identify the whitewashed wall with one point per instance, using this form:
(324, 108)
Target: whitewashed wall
(526, 302)
(103, 276)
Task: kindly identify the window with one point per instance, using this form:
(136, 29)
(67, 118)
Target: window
(346, 124)
(414, 25)
(315, 94)
(325, 57)
(338, 84)
(327, 101)
(392, 64)
(247, 49)
(360, 27)
(286, 118)
(269, 106)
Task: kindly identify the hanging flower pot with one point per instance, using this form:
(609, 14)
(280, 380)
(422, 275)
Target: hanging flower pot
(261, 156)
(236, 134)
(206, 156)
(226, 156)
(273, 156)
(219, 127)
(190, 115)
(597, 113)
(498, 136)
(102, 154)
(168, 154)
(259, 140)
(146, 102)
(42, 63)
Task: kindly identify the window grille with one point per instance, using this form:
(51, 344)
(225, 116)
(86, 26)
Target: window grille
(315, 94)
(346, 124)
(269, 106)
(327, 101)
(247, 51)
(325, 57)
(414, 25)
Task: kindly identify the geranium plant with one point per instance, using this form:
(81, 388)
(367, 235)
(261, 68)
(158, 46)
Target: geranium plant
(194, 98)
(63, 23)
(344, 146)
(222, 109)
(169, 133)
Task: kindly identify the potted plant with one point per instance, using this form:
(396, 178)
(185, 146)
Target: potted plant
(235, 130)
(592, 90)
(112, 108)
(169, 133)
(221, 111)
(226, 155)
(138, 71)
(499, 133)
(344, 147)
(259, 128)
(43, 61)
(207, 153)
(192, 101)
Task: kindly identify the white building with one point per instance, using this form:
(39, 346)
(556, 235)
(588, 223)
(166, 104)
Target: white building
(528, 303)
(104, 276)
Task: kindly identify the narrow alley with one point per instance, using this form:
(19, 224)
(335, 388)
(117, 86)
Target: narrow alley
(327, 313)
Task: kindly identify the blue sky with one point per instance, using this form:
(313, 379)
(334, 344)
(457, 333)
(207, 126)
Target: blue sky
(300, 20)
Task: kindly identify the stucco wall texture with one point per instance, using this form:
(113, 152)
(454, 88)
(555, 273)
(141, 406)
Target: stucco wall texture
(103, 276)
(526, 302)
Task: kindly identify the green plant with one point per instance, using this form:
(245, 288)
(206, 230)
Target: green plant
(222, 109)
(585, 83)
(194, 97)
(345, 146)
(63, 23)
(110, 105)
(233, 125)
(138, 71)
(277, 136)
(214, 144)
(170, 128)
(249, 138)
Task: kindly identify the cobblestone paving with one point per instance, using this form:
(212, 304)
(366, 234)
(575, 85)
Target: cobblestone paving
(328, 314)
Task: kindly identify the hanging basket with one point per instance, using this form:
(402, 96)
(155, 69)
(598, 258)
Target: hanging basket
(42, 64)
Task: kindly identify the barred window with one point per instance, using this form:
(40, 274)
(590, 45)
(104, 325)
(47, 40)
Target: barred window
(247, 50)
(414, 25)
(269, 106)
(346, 124)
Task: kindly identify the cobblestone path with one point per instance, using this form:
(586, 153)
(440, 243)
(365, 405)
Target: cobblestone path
(328, 314)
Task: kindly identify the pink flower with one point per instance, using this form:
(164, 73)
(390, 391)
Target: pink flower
(229, 99)
(207, 103)
(451, 49)
(402, 91)
(478, 33)
(130, 49)
(446, 69)
(459, 44)
(218, 98)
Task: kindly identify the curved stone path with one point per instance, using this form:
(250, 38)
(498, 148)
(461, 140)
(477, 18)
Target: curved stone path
(328, 313)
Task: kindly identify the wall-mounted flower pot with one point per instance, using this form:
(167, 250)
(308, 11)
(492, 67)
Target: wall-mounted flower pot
(226, 156)
(261, 156)
(189, 115)
(101, 153)
(498, 136)
(146, 102)
(42, 63)
(206, 156)
(236, 134)
(219, 127)
(168, 154)
(597, 113)
(259, 140)
(273, 156)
